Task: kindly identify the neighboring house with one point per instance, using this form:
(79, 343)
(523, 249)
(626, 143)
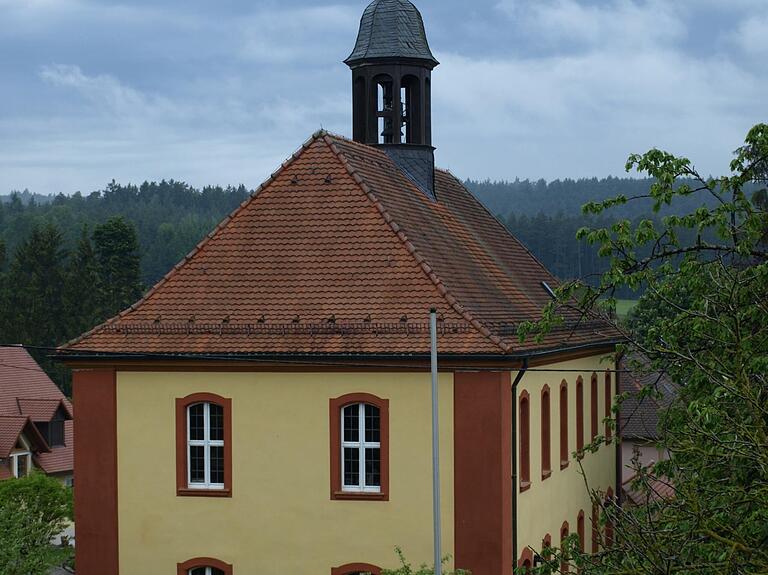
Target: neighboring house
(266, 407)
(640, 419)
(35, 420)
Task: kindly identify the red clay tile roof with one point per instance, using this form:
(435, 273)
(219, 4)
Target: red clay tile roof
(26, 390)
(11, 427)
(339, 253)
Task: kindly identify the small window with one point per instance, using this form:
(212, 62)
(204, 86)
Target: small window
(579, 414)
(593, 398)
(204, 445)
(608, 405)
(546, 439)
(359, 433)
(563, 424)
(525, 441)
(595, 528)
(580, 530)
(21, 464)
(204, 566)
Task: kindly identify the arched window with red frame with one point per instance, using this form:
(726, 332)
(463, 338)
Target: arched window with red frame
(580, 530)
(525, 563)
(593, 400)
(565, 566)
(579, 413)
(546, 434)
(608, 406)
(204, 566)
(595, 528)
(525, 440)
(546, 547)
(359, 447)
(356, 569)
(564, 454)
(204, 445)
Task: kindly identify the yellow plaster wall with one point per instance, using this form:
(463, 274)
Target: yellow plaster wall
(548, 503)
(280, 518)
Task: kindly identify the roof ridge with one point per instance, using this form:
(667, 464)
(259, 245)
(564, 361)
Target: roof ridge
(442, 289)
(201, 244)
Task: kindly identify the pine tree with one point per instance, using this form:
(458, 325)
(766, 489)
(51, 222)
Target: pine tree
(80, 298)
(118, 261)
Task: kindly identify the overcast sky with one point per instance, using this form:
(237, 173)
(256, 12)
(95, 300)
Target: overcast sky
(221, 92)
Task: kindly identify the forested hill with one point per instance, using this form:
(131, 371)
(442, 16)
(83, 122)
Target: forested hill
(170, 217)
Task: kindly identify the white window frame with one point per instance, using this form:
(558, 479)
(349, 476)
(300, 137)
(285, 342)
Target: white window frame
(361, 445)
(206, 443)
(15, 457)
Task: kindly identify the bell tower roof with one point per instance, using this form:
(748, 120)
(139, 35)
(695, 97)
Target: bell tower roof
(391, 29)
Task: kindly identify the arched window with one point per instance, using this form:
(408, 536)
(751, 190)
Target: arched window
(359, 447)
(580, 530)
(411, 103)
(595, 528)
(356, 569)
(565, 567)
(608, 406)
(389, 133)
(579, 414)
(563, 424)
(546, 546)
(204, 566)
(593, 397)
(546, 439)
(525, 563)
(204, 445)
(525, 441)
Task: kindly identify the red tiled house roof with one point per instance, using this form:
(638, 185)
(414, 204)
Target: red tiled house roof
(27, 393)
(340, 253)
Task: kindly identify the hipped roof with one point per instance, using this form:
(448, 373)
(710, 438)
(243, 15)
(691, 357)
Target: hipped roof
(340, 253)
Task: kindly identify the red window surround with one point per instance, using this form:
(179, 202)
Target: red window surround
(335, 407)
(525, 441)
(579, 413)
(595, 528)
(608, 405)
(184, 568)
(182, 488)
(563, 424)
(565, 566)
(546, 545)
(525, 563)
(546, 439)
(580, 530)
(351, 568)
(593, 397)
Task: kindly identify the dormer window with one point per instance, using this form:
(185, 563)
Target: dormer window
(53, 430)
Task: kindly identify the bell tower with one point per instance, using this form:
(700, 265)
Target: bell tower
(391, 76)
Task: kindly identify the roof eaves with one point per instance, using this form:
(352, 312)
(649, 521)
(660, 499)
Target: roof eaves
(317, 135)
(423, 263)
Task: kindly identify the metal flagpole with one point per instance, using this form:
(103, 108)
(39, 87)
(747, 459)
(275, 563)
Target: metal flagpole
(435, 448)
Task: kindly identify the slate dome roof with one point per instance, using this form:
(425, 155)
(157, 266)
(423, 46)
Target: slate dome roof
(391, 29)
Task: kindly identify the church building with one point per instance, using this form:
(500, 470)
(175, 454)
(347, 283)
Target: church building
(265, 408)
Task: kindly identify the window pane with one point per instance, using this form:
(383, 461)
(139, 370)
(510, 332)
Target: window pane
(197, 422)
(351, 466)
(373, 467)
(372, 424)
(197, 571)
(217, 422)
(197, 464)
(57, 433)
(215, 571)
(217, 465)
(351, 423)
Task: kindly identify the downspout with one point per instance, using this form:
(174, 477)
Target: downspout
(515, 483)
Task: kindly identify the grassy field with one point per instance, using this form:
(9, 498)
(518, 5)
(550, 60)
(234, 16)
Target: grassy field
(624, 306)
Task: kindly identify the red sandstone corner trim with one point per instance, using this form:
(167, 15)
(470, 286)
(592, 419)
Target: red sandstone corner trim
(334, 419)
(483, 405)
(95, 450)
(184, 568)
(182, 488)
(350, 568)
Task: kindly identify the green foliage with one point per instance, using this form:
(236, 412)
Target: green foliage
(117, 262)
(33, 511)
(704, 322)
(406, 568)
